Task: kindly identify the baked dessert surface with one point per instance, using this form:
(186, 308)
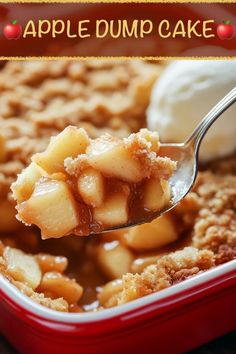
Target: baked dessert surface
(76, 274)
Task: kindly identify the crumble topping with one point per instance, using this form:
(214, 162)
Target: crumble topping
(58, 304)
(167, 270)
(39, 99)
(142, 147)
(215, 225)
(209, 211)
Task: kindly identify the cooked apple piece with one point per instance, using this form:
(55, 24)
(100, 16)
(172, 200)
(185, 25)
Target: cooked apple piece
(49, 263)
(112, 159)
(157, 233)
(114, 210)
(61, 286)
(51, 207)
(22, 267)
(70, 142)
(24, 186)
(114, 259)
(108, 295)
(156, 194)
(91, 187)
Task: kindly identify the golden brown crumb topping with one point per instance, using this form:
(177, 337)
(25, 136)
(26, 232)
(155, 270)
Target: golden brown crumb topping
(39, 99)
(215, 225)
(209, 211)
(167, 270)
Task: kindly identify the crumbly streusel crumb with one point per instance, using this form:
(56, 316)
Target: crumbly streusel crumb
(167, 271)
(210, 211)
(142, 146)
(40, 99)
(215, 224)
(58, 304)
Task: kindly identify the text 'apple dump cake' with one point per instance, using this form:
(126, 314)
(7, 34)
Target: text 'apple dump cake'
(93, 165)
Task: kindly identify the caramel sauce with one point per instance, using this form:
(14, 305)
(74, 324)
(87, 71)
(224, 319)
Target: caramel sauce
(135, 209)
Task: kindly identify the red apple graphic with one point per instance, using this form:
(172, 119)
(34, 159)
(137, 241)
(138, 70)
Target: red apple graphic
(12, 30)
(225, 30)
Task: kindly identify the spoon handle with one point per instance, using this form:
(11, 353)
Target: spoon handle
(196, 138)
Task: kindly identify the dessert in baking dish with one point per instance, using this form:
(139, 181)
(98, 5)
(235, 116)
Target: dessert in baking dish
(77, 274)
(81, 186)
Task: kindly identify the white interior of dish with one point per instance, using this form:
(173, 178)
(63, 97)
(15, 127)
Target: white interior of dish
(41, 311)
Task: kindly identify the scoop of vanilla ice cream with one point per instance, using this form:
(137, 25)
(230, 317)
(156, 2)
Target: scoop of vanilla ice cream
(181, 97)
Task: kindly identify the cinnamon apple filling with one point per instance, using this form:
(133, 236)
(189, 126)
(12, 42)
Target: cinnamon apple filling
(80, 185)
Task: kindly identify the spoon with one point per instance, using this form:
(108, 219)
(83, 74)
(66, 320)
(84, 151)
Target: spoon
(186, 156)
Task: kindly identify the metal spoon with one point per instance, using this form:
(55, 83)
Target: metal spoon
(186, 155)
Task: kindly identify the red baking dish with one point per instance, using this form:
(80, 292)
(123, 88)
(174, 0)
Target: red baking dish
(173, 320)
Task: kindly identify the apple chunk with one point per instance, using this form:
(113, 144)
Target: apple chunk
(25, 183)
(51, 207)
(114, 160)
(91, 187)
(156, 194)
(114, 210)
(49, 263)
(155, 234)
(114, 259)
(22, 267)
(70, 142)
(61, 286)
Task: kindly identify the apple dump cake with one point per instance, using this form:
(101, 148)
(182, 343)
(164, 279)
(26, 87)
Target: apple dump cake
(105, 101)
(81, 186)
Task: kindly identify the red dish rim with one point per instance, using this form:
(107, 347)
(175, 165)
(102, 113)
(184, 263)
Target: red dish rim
(163, 298)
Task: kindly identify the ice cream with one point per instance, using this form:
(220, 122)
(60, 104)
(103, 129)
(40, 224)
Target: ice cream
(184, 93)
